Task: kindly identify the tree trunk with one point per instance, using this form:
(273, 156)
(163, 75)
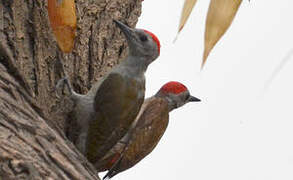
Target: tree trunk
(32, 142)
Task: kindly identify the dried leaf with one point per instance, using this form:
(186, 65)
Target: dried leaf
(63, 22)
(220, 15)
(187, 8)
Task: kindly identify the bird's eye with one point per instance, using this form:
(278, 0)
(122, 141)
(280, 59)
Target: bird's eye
(143, 38)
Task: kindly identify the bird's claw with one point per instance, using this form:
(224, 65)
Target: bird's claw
(60, 84)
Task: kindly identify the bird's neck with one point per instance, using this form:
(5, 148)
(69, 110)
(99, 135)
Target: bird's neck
(171, 104)
(139, 64)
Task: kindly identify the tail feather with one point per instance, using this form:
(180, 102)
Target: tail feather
(114, 170)
(111, 173)
(106, 178)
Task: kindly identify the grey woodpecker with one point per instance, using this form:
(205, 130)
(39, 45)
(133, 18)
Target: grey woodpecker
(104, 115)
(147, 129)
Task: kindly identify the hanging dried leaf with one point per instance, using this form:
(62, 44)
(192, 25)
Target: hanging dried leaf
(63, 22)
(187, 8)
(220, 15)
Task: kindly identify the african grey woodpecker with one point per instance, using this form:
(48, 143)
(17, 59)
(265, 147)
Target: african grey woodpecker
(147, 129)
(104, 115)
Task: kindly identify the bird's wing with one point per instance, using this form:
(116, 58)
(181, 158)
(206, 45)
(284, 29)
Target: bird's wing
(150, 127)
(117, 102)
(151, 124)
(153, 112)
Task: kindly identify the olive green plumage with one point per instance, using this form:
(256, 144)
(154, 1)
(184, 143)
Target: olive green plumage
(116, 105)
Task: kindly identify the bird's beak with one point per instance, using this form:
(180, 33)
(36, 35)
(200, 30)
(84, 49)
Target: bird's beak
(127, 31)
(193, 99)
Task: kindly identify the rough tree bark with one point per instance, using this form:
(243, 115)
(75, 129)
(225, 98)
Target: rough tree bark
(32, 143)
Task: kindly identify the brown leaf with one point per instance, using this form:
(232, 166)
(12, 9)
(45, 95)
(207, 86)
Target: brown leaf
(187, 8)
(63, 22)
(220, 15)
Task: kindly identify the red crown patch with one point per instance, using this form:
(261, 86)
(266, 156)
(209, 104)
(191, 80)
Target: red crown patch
(173, 87)
(155, 38)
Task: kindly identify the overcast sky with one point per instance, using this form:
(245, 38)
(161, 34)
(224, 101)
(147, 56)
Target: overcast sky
(238, 131)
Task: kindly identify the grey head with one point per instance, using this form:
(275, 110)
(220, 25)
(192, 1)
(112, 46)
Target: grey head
(176, 94)
(142, 43)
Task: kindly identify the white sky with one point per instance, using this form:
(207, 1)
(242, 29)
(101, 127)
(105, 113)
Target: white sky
(238, 131)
